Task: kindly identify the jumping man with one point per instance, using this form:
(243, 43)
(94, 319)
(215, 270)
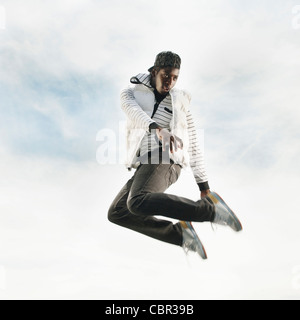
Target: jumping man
(161, 141)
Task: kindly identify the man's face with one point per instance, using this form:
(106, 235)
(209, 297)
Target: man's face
(165, 79)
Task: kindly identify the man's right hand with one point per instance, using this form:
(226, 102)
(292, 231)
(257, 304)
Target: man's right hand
(169, 139)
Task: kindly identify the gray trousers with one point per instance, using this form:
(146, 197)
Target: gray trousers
(143, 197)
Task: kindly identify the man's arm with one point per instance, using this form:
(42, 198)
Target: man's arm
(197, 158)
(133, 110)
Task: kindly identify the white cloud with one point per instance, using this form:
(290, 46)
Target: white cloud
(55, 111)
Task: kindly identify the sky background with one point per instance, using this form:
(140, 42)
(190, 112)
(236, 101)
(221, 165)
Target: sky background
(62, 67)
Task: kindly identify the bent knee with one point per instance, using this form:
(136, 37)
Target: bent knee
(136, 205)
(112, 214)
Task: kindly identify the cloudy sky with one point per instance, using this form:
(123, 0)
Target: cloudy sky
(63, 64)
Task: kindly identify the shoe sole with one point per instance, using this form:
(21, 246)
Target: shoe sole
(233, 215)
(191, 228)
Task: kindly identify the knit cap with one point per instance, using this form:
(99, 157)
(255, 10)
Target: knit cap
(167, 59)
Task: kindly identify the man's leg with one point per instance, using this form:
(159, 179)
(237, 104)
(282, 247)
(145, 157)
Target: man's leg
(159, 229)
(146, 197)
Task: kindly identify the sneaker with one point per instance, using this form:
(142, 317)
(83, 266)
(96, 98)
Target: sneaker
(191, 241)
(224, 215)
